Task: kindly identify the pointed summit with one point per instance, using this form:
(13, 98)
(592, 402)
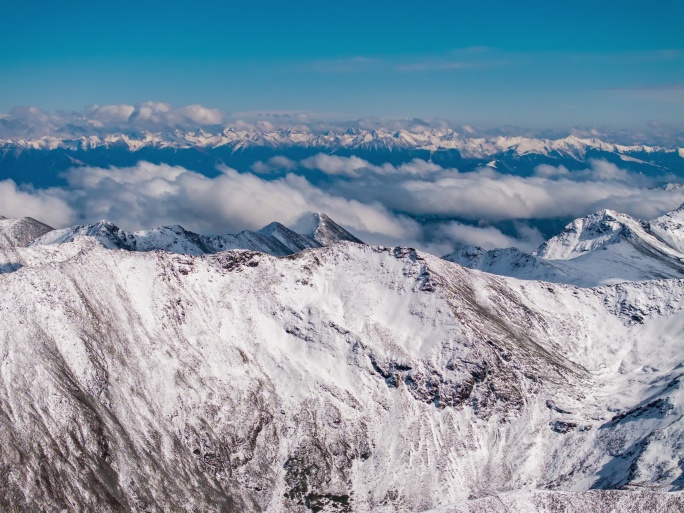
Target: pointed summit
(590, 233)
(21, 232)
(326, 231)
(293, 241)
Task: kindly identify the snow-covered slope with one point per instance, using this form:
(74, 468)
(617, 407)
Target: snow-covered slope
(510, 262)
(20, 232)
(342, 378)
(670, 229)
(274, 239)
(16, 233)
(325, 231)
(602, 248)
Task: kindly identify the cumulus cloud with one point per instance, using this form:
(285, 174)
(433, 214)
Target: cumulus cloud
(48, 205)
(277, 163)
(417, 203)
(32, 121)
(202, 115)
(598, 171)
(495, 198)
(488, 195)
(335, 165)
(104, 119)
(485, 237)
(354, 166)
(102, 115)
(149, 194)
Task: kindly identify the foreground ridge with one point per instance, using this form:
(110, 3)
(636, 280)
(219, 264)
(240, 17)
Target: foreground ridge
(343, 378)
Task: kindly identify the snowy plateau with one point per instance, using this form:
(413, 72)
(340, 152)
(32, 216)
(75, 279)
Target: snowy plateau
(163, 370)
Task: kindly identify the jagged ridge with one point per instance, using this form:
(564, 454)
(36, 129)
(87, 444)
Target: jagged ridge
(274, 239)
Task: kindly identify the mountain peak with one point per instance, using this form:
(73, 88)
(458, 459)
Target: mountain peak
(22, 231)
(292, 240)
(587, 234)
(326, 231)
(275, 238)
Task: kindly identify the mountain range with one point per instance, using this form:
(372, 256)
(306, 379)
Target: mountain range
(602, 248)
(379, 139)
(157, 371)
(273, 239)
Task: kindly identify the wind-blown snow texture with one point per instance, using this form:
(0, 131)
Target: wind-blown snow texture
(341, 378)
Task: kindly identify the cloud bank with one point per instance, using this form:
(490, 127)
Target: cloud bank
(418, 203)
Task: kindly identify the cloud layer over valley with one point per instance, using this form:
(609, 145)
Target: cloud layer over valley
(418, 203)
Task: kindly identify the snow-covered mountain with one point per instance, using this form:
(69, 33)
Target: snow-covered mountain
(344, 377)
(20, 232)
(429, 139)
(17, 233)
(602, 248)
(274, 239)
(341, 378)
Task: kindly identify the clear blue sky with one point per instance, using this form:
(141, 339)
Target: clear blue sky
(535, 63)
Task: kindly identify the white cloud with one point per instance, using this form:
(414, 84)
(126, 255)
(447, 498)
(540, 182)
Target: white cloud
(46, 205)
(335, 165)
(426, 189)
(548, 171)
(493, 198)
(490, 237)
(277, 163)
(487, 237)
(353, 166)
(149, 195)
(106, 114)
(202, 115)
(599, 171)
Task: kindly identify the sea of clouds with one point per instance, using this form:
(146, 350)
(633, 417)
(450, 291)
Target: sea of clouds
(384, 204)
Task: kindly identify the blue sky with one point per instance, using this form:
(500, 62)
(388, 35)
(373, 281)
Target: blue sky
(530, 63)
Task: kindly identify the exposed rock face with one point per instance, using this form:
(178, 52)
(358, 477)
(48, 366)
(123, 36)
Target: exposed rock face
(343, 378)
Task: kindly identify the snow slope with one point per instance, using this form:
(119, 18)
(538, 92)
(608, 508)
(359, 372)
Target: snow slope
(20, 232)
(602, 248)
(15, 233)
(670, 229)
(341, 378)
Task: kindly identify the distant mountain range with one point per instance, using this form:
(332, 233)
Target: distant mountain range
(41, 161)
(381, 139)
